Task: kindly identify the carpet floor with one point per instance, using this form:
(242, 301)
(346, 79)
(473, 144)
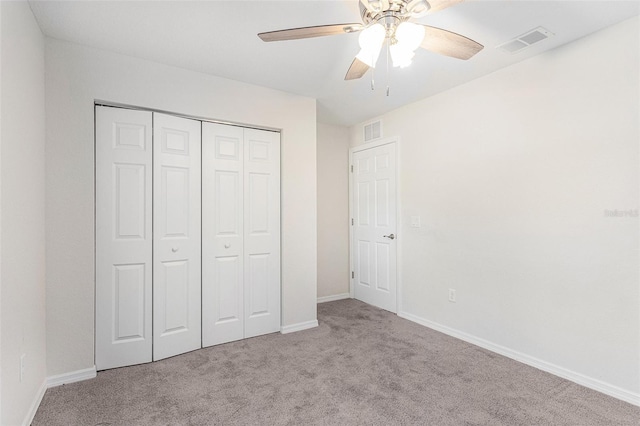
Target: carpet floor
(362, 365)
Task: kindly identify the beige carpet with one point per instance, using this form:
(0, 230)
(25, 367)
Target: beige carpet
(361, 366)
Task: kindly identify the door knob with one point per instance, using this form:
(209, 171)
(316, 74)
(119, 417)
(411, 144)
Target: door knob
(227, 245)
(390, 236)
(174, 249)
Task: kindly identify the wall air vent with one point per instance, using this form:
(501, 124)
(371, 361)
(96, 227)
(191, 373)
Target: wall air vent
(372, 131)
(525, 40)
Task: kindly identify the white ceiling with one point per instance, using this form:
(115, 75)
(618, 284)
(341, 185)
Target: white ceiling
(219, 37)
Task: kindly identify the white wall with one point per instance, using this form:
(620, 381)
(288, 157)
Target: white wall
(22, 222)
(511, 175)
(76, 76)
(333, 210)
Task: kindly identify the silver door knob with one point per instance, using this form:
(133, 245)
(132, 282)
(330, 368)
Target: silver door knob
(174, 249)
(227, 245)
(390, 236)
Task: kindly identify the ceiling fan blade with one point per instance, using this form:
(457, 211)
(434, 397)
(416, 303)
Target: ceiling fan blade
(437, 5)
(308, 32)
(449, 43)
(356, 70)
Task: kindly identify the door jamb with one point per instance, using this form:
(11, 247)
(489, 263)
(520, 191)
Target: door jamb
(386, 141)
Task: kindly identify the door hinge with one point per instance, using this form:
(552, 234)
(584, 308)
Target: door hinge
(351, 221)
(352, 168)
(353, 275)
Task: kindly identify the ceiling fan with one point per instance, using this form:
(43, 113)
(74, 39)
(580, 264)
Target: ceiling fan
(388, 21)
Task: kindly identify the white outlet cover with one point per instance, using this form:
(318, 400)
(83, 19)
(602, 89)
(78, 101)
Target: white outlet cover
(415, 221)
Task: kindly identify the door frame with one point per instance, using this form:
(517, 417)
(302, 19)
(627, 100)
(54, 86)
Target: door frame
(395, 140)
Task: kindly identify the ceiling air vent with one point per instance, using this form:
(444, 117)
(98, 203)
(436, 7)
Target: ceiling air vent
(525, 40)
(372, 131)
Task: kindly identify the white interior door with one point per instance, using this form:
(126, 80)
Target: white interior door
(241, 231)
(177, 236)
(222, 233)
(123, 237)
(261, 232)
(374, 228)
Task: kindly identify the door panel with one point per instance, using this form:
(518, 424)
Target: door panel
(222, 230)
(241, 229)
(123, 237)
(374, 204)
(177, 236)
(261, 232)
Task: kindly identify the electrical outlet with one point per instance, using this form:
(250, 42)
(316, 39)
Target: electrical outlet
(415, 221)
(452, 295)
(22, 365)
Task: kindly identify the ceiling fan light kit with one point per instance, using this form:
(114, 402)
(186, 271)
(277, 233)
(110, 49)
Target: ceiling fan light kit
(388, 21)
(371, 40)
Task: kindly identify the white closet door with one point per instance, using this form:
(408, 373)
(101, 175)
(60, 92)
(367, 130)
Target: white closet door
(261, 232)
(177, 234)
(123, 237)
(222, 230)
(241, 231)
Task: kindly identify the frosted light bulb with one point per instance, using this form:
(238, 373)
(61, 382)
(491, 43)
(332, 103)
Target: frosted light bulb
(409, 35)
(401, 56)
(371, 39)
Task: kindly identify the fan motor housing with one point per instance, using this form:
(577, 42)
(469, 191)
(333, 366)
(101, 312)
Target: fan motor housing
(400, 10)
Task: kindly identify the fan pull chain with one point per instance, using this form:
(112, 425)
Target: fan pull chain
(388, 73)
(373, 82)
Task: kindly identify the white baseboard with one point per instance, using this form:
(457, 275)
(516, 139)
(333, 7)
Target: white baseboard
(298, 327)
(53, 381)
(74, 376)
(35, 404)
(334, 297)
(581, 379)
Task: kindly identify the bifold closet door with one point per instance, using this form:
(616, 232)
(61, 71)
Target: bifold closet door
(176, 236)
(261, 232)
(241, 233)
(148, 233)
(123, 237)
(222, 229)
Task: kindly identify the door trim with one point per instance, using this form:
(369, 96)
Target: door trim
(369, 145)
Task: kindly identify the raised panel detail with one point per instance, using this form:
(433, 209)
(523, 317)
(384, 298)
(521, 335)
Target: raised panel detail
(175, 201)
(227, 202)
(129, 205)
(228, 286)
(365, 257)
(382, 266)
(128, 288)
(362, 166)
(227, 148)
(382, 162)
(363, 203)
(258, 151)
(382, 202)
(258, 203)
(175, 141)
(176, 296)
(129, 136)
(258, 281)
